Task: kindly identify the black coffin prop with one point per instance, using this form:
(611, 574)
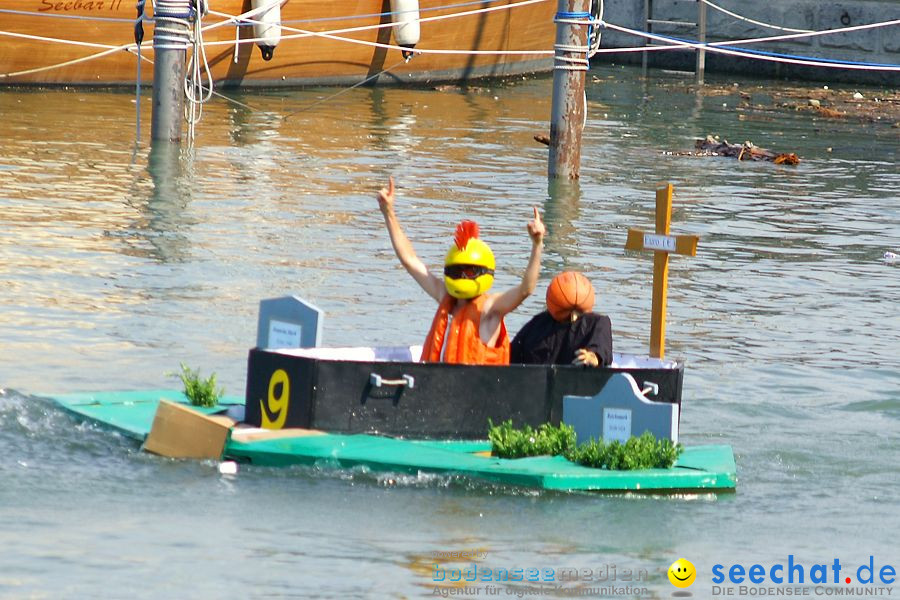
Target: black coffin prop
(444, 400)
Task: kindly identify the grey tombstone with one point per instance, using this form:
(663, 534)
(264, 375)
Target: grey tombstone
(288, 322)
(619, 411)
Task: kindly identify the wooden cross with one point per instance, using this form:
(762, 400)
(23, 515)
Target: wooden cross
(661, 243)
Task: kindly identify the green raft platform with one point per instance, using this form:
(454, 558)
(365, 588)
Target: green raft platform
(132, 414)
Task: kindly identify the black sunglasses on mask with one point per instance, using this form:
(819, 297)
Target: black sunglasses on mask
(466, 271)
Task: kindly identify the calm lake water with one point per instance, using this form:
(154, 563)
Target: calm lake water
(118, 262)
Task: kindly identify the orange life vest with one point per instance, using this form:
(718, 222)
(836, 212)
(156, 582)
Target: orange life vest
(463, 341)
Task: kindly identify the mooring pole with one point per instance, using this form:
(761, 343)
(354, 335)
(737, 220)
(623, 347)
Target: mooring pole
(569, 68)
(171, 38)
(700, 68)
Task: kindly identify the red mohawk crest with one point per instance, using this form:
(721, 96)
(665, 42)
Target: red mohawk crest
(465, 231)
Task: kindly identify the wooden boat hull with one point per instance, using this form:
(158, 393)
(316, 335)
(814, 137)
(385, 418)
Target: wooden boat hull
(91, 43)
(700, 468)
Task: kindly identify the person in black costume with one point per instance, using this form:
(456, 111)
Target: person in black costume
(580, 337)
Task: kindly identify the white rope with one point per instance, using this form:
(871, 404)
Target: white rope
(138, 39)
(249, 22)
(677, 44)
(345, 90)
(307, 34)
(178, 28)
(229, 19)
(571, 63)
(126, 48)
(794, 36)
(568, 63)
(760, 23)
(771, 38)
(40, 38)
(598, 19)
(193, 80)
(237, 20)
(332, 34)
(244, 16)
(180, 43)
(576, 63)
(172, 20)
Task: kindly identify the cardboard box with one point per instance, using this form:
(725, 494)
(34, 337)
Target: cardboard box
(181, 432)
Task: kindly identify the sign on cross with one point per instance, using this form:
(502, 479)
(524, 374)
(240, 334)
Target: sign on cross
(661, 244)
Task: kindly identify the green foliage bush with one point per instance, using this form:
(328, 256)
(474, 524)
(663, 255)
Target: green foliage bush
(643, 452)
(200, 392)
(508, 442)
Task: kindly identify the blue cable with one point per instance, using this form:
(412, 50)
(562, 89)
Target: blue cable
(572, 15)
(779, 54)
(578, 15)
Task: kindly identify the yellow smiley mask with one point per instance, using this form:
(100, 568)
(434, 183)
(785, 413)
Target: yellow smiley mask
(469, 264)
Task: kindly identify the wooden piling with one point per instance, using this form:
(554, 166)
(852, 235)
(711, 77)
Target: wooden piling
(568, 110)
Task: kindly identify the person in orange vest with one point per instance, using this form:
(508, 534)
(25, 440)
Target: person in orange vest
(468, 326)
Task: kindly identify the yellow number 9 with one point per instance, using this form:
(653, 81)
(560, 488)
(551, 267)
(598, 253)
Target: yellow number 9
(276, 406)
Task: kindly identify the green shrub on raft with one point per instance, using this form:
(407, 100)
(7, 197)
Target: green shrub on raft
(509, 442)
(200, 392)
(644, 452)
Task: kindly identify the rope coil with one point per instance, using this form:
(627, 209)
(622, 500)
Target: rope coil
(172, 24)
(574, 63)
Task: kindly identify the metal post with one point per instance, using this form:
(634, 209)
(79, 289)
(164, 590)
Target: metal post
(171, 37)
(701, 37)
(648, 14)
(568, 109)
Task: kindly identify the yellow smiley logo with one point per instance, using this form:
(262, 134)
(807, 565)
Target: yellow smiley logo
(682, 573)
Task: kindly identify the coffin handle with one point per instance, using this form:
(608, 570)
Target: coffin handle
(650, 389)
(376, 380)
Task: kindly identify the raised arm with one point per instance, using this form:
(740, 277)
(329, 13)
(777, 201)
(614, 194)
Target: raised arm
(432, 285)
(512, 298)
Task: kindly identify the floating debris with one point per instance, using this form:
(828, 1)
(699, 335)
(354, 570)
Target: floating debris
(449, 87)
(711, 146)
(745, 151)
(830, 112)
(891, 257)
